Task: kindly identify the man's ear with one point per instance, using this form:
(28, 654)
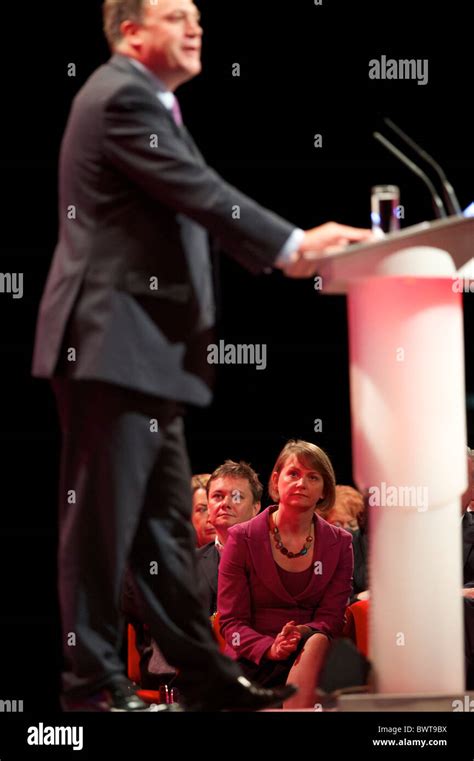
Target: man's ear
(256, 508)
(130, 30)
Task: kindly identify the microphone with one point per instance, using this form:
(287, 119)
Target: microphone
(452, 203)
(439, 209)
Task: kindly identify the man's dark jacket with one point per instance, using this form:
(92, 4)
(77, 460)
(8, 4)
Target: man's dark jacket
(129, 297)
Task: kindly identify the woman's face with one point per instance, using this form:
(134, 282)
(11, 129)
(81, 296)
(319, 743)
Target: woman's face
(204, 531)
(298, 485)
(341, 516)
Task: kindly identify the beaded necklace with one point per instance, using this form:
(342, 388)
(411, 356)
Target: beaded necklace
(279, 544)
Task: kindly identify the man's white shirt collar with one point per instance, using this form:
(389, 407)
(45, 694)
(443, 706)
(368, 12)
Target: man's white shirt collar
(165, 95)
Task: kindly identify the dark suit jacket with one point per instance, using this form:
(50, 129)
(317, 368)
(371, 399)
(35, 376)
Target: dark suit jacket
(360, 545)
(468, 577)
(252, 601)
(208, 558)
(136, 202)
(468, 547)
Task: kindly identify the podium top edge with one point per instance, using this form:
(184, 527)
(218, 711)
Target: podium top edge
(438, 225)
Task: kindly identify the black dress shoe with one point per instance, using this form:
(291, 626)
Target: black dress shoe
(241, 695)
(116, 696)
(162, 707)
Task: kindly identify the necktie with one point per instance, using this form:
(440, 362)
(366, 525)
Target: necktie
(176, 111)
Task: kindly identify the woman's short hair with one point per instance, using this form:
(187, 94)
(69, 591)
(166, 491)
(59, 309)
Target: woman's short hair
(312, 457)
(350, 498)
(199, 481)
(116, 11)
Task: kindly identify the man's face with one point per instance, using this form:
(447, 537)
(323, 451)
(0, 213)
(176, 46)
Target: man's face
(200, 517)
(231, 501)
(467, 499)
(170, 37)
(298, 485)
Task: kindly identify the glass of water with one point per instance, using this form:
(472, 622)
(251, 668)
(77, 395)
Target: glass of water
(385, 200)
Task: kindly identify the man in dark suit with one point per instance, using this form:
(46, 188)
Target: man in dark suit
(234, 492)
(124, 323)
(467, 502)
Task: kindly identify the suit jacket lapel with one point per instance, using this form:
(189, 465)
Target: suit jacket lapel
(122, 62)
(181, 132)
(210, 565)
(262, 558)
(265, 566)
(467, 536)
(326, 539)
(190, 143)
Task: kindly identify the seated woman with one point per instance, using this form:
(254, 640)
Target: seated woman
(205, 531)
(348, 505)
(285, 578)
(360, 545)
(350, 512)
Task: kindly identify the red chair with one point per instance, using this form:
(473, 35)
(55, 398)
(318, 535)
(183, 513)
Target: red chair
(133, 668)
(216, 629)
(133, 659)
(357, 625)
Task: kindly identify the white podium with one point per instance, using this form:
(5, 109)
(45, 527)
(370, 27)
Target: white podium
(408, 412)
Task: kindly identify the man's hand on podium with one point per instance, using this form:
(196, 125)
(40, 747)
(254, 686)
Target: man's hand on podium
(320, 241)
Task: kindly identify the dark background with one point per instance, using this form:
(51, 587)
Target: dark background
(304, 70)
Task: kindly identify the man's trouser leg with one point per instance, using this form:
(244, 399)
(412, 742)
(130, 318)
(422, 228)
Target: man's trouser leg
(121, 451)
